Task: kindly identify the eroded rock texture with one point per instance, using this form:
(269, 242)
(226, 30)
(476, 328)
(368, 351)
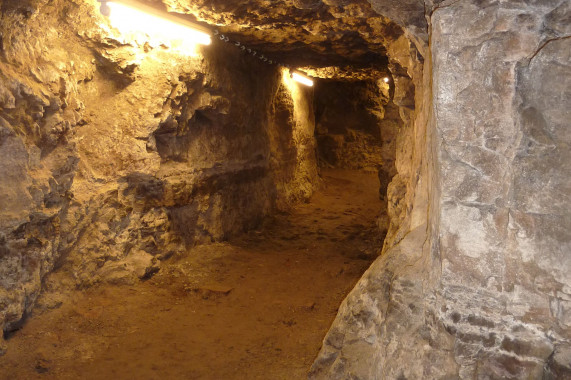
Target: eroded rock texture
(348, 125)
(117, 154)
(292, 144)
(387, 327)
(505, 206)
(302, 32)
(482, 289)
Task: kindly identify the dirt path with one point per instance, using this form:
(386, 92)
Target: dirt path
(257, 307)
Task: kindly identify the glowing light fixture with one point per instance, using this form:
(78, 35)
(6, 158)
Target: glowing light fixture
(130, 16)
(303, 79)
(386, 79)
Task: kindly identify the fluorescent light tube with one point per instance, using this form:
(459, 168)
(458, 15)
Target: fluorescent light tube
(133, 17)
(298, 77)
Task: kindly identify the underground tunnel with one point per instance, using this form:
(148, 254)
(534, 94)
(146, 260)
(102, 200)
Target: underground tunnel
(289, 189)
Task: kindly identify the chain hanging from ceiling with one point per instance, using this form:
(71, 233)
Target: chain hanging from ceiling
(247, 50)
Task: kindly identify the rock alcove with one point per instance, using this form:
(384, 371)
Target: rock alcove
(121, 154)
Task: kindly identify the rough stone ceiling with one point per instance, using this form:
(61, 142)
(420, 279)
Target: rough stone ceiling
(348, 39)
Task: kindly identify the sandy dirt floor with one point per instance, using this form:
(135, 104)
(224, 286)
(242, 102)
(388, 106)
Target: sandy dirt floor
(256, 307)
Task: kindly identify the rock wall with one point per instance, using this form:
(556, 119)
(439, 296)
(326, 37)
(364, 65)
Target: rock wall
(502, 108)
(118, 153)
(360, 125)
(348, 124)
(388, 321)
(293, 159)
(475, 282)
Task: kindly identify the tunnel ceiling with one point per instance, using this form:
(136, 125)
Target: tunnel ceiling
(330, 39)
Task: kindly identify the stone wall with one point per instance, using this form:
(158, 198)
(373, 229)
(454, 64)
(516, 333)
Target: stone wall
(475, 282)
(291, 130)
(118, 153)
(502, 107)
(388, 321)
(360, 125)
(348, 124)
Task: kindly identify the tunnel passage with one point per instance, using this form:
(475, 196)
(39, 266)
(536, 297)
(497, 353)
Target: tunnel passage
(357, 125)
(248, 305)
(147, 183)
(132, 160)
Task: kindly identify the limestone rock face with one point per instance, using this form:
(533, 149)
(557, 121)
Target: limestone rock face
(291, 129)
(505, 206)
(389, 318)
(409, 14)
(338, 35)
(349, 116)
(117, 153)
(475, 281)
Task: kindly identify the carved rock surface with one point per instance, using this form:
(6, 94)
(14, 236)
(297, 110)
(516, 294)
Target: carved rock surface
(348, 125)
(340, 36)
(505, 206)
(117, 154)
(482, 290)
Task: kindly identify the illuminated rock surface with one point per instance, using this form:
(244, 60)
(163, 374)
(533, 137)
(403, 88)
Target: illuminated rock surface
(116, 155)
(482, 289)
